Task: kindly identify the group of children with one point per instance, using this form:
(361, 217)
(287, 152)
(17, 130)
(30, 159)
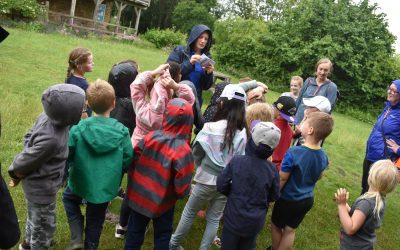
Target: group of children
(241, 152)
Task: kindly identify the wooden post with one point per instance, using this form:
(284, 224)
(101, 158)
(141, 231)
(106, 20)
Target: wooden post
(120, 7)
(47, 11)
(72, 12)
(138, 11)
(96, 9)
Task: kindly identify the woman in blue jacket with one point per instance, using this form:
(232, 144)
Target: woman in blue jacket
(199, 42)
(384, 140)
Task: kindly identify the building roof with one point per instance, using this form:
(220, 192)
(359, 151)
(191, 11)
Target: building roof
(138, 3)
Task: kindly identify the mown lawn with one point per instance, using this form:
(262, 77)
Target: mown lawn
(29, 62)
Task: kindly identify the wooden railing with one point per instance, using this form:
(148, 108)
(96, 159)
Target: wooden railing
(88, 24)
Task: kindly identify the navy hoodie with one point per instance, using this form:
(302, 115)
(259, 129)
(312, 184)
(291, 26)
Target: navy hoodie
(182, 54)
(250, 182)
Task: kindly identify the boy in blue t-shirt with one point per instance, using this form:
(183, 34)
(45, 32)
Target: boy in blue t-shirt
(302, 167)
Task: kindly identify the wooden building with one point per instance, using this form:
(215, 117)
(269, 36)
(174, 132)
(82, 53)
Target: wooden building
(93, 14)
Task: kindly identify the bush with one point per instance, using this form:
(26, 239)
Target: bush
(164, 38)
(237, 43)
(20, 9)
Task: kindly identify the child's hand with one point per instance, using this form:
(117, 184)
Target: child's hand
(341, 196)
(169, 83)
(161, 69)
(14, 182)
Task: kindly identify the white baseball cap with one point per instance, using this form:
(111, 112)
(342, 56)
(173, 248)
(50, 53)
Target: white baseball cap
(234, 91)
(320, 102)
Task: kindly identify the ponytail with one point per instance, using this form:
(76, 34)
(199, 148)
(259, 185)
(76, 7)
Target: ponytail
(382, 179)
(77, 56)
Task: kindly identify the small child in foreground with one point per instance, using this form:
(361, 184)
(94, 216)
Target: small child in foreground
(250, 182)
(99, 150)
(302, 167)
(161, 174)
(366, 214)
(41, 163)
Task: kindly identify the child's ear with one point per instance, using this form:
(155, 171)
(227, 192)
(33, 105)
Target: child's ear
(310, 130)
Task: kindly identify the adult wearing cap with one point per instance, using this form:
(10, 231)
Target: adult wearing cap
(319, 85)
(285, 107)
(384, 140)
(199, 42)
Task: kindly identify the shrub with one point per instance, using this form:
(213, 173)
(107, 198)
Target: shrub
(20, 9)
(164, 38)
(237, 43)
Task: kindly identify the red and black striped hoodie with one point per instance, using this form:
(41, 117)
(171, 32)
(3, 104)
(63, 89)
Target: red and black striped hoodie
(163, 165)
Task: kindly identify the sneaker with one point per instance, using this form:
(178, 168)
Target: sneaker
(217, 242)
(76, 246)
(171, 247)
(120, 232)
(24, 246)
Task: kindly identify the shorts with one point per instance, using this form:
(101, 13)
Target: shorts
(290, 213)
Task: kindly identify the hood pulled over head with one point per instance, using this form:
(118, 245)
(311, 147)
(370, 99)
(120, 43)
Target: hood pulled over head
(178, 118)
(120, 77)
(196, 32)
(63, 103)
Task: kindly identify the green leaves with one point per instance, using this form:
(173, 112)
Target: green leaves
(189, 13)
(20, 9)
(165, 38)
(355, 39)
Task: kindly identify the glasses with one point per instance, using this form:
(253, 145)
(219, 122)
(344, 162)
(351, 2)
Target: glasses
(392, 90)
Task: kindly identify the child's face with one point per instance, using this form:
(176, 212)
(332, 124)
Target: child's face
(294, 87)
(305, 128)
(310, 110)
(88, 66)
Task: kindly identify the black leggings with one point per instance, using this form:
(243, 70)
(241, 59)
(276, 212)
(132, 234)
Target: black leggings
(364, 182)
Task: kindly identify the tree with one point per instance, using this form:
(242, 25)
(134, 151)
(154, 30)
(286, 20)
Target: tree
(257, 9)
(238, 43)
(189, 13)
(353, 36)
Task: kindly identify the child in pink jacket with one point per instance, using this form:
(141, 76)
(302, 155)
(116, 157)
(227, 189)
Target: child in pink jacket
(149, 111)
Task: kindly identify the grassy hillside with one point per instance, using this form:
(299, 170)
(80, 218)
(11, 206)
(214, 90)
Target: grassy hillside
(29, 62)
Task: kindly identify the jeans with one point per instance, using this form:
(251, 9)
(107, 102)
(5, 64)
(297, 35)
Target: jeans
(201, 195)
(40, 225)
(137, 227)
(232, 241)
(95, 215)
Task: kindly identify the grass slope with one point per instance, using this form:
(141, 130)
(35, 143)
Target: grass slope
(30, 62)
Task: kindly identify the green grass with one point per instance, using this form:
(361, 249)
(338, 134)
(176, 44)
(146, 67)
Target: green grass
(29, 62)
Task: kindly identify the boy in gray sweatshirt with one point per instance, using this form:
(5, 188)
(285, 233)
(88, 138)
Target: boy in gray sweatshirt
(41, 163)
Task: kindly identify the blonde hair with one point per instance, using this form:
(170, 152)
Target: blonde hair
(100, 96)
(298, 79)
(324, 60)
(382, 179)
(77, 57)
(322, 124)
(259, 111)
